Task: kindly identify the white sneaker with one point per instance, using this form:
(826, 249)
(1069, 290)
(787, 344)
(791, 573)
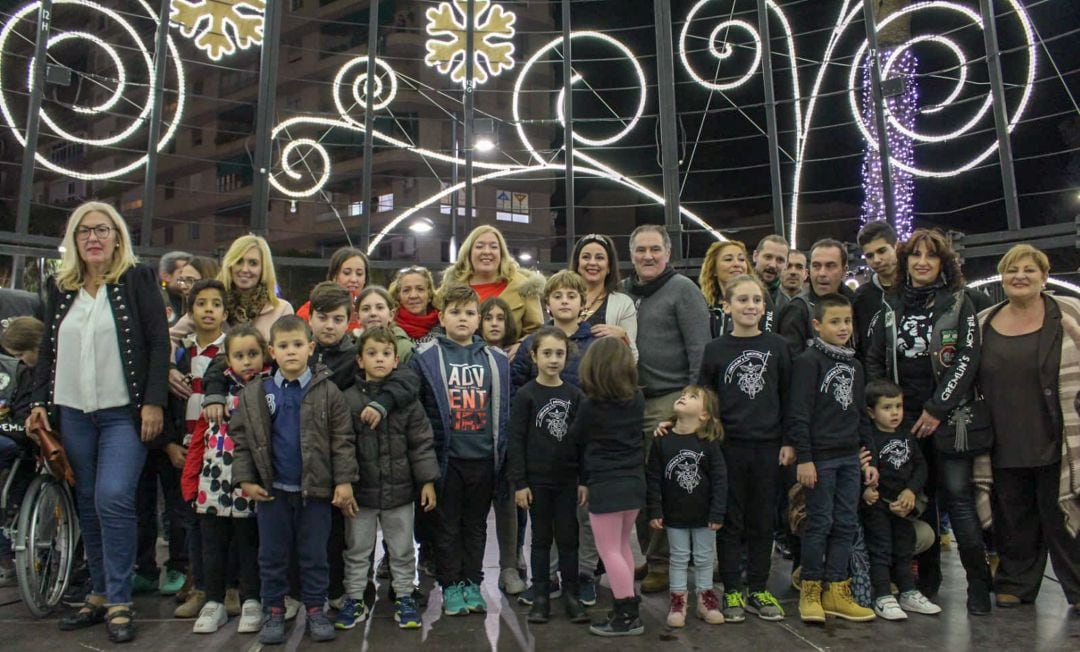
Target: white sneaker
(887, 608)
(251, 617)
(211, 617)
(336, 603)
(510, 582)
(915, 602)
(292, 607)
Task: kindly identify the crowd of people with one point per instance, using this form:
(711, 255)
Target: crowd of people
(645, 417)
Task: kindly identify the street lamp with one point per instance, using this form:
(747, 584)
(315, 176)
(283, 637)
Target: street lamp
(422, 225)
(487, 138)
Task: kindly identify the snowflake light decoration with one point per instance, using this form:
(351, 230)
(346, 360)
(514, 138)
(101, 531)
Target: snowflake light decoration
(493, 47)
(223, 26)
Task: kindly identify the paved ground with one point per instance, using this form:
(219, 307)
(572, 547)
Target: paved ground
(1047, 625)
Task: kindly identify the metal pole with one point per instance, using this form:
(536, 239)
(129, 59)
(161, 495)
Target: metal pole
(33, 126)
(470, 49)
(1001, 114)
(453, 184)
(161, 58)
(665, 71)
(770, 118)
(369, 120)
(568, 128)
(879, 112)
(264, 117)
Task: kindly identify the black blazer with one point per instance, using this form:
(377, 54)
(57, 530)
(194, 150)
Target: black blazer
(141, 329)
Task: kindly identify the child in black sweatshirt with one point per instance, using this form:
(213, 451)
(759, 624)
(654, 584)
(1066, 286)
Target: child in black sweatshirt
(687, 487)
(825, 424)
(542, 467)
(750, 372)
(890, 535)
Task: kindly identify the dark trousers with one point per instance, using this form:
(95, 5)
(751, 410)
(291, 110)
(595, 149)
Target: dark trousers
(335, 553)
(890, 540)
(193, 535)
(219, 535)
(289, 524)
(752, 484)
(1028, 523)
(463, 507)
(831, 519)
(158, 469)
(554, 514)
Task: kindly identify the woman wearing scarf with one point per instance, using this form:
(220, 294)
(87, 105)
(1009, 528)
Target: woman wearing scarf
(414, 288)
(926, 340)
(1030, 374)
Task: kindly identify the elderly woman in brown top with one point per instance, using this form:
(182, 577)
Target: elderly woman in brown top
(1029, 362)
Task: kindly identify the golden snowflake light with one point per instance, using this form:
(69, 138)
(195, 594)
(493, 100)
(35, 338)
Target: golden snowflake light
(493, 49)
(220, 27)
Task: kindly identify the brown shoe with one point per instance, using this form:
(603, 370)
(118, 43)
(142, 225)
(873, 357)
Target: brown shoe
(838, 601)
(640, 572)
(1007, 601)
(810, 609)
(185, 591)
(193, 605)
(655, 582)
(232, 602)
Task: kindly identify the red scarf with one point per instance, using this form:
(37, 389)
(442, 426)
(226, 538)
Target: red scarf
(417, 326)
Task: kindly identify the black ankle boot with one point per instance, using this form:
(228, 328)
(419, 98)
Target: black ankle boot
(575, 611)
(540, 611)
(978, 578)
(624, 620)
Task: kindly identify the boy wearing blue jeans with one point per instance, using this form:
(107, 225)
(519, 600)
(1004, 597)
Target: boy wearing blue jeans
(826, 428)
(295, 451)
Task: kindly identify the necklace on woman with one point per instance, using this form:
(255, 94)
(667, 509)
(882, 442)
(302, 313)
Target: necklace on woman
(593, 306)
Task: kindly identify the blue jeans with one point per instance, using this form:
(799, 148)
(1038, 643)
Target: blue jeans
(9, 450)
(679, 542)
(107, 457)
(289, 524)
(831, 519)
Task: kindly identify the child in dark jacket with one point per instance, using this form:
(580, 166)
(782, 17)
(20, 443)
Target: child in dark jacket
(226, 513)
(687, 497)
(609, 424)
(542, 470)
(295, 451)
(465, 391)
(890, 535)
(564, 296)
(395, 458)
(825, 424)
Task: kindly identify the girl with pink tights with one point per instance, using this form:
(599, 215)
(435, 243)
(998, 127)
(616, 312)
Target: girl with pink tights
(608, 424)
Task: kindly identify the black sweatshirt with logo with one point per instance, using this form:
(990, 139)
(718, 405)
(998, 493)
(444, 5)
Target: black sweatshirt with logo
(541, 449)
(751, 376)
(825, 416)
(687, 481)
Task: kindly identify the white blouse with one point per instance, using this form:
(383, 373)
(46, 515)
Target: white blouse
(89, 371)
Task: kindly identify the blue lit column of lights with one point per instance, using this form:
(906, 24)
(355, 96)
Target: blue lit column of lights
(904, 108)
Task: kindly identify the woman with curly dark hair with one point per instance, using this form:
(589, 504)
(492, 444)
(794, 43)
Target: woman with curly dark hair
(926, 339)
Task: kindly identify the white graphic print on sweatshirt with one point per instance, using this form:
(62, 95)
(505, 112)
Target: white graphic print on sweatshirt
(896, 453)
(552, 417)
(749, 371)
(840, 382)
(685, 468)
(913, 336)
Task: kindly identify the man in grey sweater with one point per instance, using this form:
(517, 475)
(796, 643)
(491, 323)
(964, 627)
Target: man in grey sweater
(673, 329)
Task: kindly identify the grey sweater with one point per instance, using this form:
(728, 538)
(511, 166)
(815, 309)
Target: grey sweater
(673, 329)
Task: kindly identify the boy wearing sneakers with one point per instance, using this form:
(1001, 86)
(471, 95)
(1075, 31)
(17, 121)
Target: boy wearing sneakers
(890, 535)
(465, 390)
(395, 457)
(295, 451)
(826, 428)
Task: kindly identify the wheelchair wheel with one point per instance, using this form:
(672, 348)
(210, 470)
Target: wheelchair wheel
(45, 544)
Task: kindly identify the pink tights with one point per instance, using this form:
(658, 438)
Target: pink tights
(612, 532)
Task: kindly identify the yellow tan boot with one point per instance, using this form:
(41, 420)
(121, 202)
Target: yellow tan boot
(838, 601)
(810, 609)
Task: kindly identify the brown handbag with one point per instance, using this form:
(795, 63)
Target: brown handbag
(54, 456)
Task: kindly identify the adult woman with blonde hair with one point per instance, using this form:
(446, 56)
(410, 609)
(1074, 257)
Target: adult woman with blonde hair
(247, 271)
(485, 263)
(105, 331)
(414, 290)
(1030, 374)
(724, 261)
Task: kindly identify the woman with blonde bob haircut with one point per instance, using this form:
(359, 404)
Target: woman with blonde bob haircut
(247, 271)
(102, 377)
(724, 261)
(484, 262)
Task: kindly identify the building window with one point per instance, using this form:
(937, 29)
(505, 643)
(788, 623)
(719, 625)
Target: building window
(385, 203)
(444, 203)
(356, 209)
(296, 5)
(197, 87)
(193, 231)
(512, 206)
(196, 136)
(170, 190)
(168, 237)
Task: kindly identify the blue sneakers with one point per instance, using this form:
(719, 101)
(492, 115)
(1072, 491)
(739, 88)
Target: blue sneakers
(474, 601)
(351, 612)
(273, 630)
(406, 614)
(454, 600)
(587, 591)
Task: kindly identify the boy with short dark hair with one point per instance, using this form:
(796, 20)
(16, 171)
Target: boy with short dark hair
(335, 347)
(890, 535)
(826, 428)
(465, 387)
(564, 297)
(295, 451)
